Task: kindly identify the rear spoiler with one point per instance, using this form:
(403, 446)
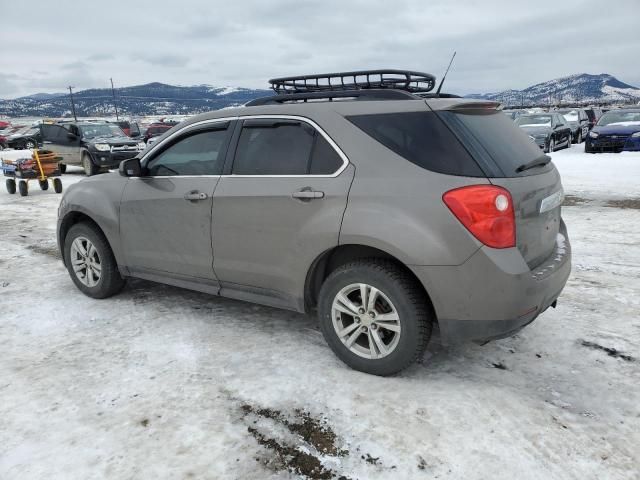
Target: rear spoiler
(476, 106)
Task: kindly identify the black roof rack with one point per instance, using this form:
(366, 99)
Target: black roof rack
(413, 82)
(373, 94)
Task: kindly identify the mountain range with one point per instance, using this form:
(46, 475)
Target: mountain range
(582, 88)
(162, 99)
(150, 99)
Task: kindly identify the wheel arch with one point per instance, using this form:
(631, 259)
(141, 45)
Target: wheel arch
(333, 258)
(69, 220)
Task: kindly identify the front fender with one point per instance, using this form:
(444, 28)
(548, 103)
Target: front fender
(99, 199)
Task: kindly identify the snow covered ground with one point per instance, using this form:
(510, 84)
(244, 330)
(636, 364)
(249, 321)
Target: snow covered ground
(160, 382)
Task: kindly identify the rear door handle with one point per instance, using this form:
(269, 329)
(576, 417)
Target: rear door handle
(195, 195)
(307, 194)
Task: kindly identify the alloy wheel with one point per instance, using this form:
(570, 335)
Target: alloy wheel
(85, 261)
(366, 321)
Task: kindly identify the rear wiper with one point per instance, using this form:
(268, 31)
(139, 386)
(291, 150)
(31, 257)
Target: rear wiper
(538, 162)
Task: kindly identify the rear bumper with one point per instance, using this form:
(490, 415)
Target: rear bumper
(494, 293)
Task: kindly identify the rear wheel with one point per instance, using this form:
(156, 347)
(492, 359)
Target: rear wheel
(374, 316)
(63, 167)
(30, 144)
(89, 168)
(44, 185)
(11, 185)
(90, 261)
(579, 139)
(23, 188)
(57, 185)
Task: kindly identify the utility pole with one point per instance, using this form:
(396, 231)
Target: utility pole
(73, 105)
(115, 104)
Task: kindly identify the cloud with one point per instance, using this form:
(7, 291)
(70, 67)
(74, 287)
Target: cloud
(164, 59)
(500, 43)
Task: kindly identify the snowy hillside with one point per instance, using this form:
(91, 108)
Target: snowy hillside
(582, 87)
(149, 99)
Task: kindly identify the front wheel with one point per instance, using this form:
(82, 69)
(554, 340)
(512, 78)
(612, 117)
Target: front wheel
(44, 185)
(57, 185)
(63, 167)
(90, 261)
(23, 188)
(579, 139)
(11, 185)
(552, 145)
(89, 167)
(374, 316)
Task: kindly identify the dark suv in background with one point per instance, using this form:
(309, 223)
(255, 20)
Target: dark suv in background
(387, 213)
(578, 121)
(96, 146)
(594, 115)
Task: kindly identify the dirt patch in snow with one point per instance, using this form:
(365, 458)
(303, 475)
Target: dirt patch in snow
(573, 201)
(50, 251)
(612, 352)
(632, 203)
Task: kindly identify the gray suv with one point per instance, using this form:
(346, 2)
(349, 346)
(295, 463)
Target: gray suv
(384, 208)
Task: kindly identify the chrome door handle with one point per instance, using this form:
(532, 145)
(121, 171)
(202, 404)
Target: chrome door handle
(195, 196)
(307, 194)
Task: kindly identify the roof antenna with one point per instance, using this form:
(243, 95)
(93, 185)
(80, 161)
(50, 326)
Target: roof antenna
(445, 75)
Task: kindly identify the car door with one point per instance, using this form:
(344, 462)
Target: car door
(56, 138)
(165, 215)
(280, 206)
(74, 144)
(561, 130)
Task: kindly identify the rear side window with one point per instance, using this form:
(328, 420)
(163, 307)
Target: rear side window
(423, 139)
(283, 147)
(495, 142)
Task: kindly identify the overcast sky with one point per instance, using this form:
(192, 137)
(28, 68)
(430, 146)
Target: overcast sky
(47, 45)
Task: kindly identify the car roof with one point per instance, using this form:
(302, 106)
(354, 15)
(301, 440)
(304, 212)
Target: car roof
(343, 107)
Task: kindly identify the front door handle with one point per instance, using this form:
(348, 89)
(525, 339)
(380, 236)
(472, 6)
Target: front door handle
(195, 195)
(307, 194)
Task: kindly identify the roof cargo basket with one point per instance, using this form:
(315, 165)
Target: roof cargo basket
(412, 82)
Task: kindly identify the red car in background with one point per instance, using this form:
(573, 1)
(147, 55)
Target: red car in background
(157, 129)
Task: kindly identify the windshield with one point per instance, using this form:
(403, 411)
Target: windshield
(571, 116)
(101, 130)
(620, 118)
(534, 121)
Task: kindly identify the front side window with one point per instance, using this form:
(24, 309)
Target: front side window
(534, 121)
(620, 117)
(200, 153)
(283, 147)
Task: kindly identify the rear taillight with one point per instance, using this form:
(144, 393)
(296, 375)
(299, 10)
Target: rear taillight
(486, 211)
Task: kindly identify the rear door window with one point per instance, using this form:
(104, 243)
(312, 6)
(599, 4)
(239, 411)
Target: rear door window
(421, 138)
(283, 147)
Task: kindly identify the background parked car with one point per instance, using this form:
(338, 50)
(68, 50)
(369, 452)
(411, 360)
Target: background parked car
(131, 129)
(96, 146)
(578, 121)
(616, 130)
(156, 129)
(549, 130)
(27, 139)
(594, 115)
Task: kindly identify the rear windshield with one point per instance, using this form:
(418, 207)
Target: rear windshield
(497, 144)
(421, 138)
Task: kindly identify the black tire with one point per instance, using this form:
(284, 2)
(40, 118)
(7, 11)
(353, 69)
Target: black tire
(44, 184)
(405, 293)
(63, 167)
(11, 185)
(579, 139)
(90, 168)
(57, 185)
(23, 188)
(111, 282)
(30, 144)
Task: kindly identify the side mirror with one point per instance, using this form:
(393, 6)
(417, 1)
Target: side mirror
(71, 136)
(130, 168)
